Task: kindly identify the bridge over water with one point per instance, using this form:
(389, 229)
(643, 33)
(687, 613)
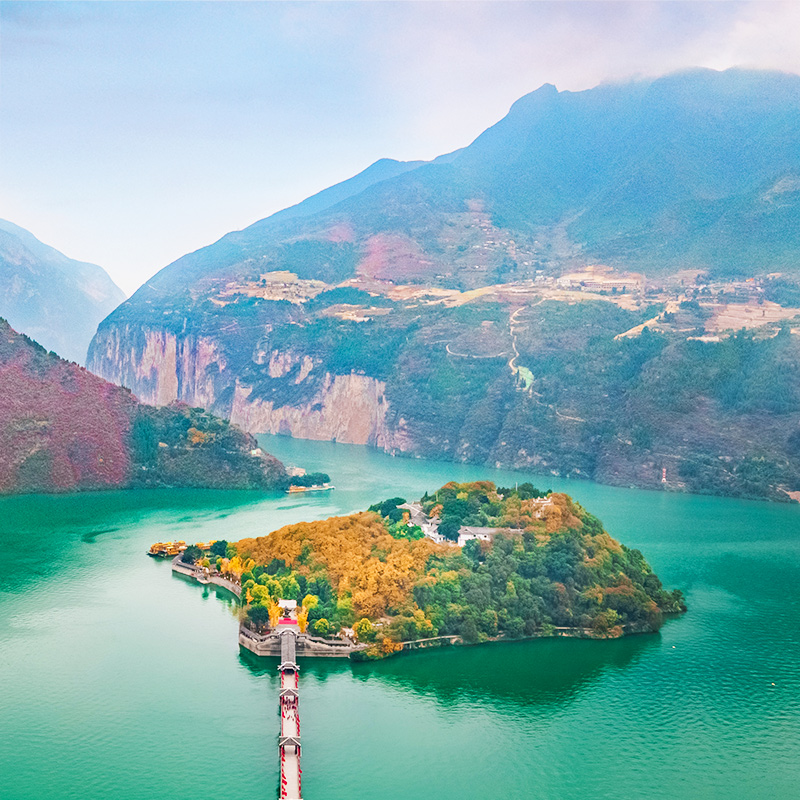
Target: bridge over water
(287, 641)
(289, 741)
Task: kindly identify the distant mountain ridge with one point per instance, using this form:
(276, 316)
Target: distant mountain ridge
(696, 169)
(52, 298)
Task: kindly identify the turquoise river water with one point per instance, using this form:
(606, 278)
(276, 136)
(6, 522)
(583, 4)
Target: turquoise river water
(120, 681)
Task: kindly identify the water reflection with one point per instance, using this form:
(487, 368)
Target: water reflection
(52, 525)
(208, 590)
(319, 668)
(91, 536)
(31, 512)
(531, 673)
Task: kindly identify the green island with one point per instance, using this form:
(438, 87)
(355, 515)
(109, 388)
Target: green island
(532, 564)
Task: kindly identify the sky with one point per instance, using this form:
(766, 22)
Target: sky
(132, 133)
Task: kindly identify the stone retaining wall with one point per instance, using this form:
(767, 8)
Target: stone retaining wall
(269, 645)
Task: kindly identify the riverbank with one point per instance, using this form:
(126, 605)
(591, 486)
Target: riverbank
(267, 645)
(549, 632)
(204, 576)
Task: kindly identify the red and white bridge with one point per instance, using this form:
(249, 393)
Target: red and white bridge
(289, 741)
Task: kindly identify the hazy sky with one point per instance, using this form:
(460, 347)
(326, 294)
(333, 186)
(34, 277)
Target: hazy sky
(132, 133)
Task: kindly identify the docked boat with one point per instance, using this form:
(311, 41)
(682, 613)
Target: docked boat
(167, 549)
(325, 487)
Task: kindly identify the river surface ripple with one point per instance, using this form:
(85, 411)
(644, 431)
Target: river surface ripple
(120, 680)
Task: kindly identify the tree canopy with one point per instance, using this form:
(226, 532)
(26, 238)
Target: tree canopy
(555, 566)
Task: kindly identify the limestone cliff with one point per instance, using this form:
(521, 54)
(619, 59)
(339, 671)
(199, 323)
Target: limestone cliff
(161, 367)
(659, 410)
(157, 365)
(347, 408)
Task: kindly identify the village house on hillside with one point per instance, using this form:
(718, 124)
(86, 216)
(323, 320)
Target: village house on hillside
(468, 532)
(430, 525)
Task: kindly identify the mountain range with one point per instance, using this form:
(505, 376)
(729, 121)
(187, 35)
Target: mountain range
(700, 169)
(520, 301)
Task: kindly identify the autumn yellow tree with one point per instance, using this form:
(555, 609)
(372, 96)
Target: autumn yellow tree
(389, 646)
(274, 613)
(236, 566)
(196, 436)
(368, 569)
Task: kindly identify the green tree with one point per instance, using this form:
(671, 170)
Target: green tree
(345, 612)
(219, 548)
(364, 630)
(144, 439)
(290, 588)
(191, 554)
(449, 528)
(472, 550)
(258, 616)
(320, 586)
(388, 508)
(310, 479)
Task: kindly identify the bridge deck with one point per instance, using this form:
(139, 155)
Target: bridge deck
(290, 721)
(288, 649)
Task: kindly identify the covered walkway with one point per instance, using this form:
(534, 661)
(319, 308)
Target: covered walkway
(289, 742)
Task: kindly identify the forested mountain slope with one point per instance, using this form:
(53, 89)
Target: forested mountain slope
(64, 429)
(696, 169)
(446, 308)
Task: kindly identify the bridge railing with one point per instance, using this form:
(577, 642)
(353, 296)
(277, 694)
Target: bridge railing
(256, 637)
(192, 571)
(433, 641)
(344, 642)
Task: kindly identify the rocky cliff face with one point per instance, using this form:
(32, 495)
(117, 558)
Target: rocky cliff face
(157, 365)
(659, 410)
(347, 408)
(161, 367)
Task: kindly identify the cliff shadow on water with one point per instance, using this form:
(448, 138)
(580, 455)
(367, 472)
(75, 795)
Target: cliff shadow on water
(530, 673)
(526, 673)
(36, 512)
